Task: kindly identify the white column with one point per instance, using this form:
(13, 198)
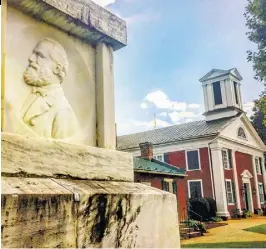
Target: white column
(238, 205)
(256, 182)
(219, 182)
(106, 137)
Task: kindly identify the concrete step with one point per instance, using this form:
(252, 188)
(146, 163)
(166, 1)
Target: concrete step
(194, 234)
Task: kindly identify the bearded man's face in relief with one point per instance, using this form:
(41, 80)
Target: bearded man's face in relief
(41, 69)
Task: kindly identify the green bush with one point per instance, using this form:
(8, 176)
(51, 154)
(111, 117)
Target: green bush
(204, 208)
(246, 213)
(213, 207)
(258, 212)
(236, 213)
(216, 219)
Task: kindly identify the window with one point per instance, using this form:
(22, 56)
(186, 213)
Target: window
(159, 157)
(227, 158)
(165, 185)
(230, 192)
(258, 165)
(193, 161)
(169, 185)
(261, 192)
(241, 133)
(174, 185)
(195, 189)
(217, 93)
(236, 92)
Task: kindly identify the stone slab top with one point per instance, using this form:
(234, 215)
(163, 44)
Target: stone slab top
(44, 158)
(81, 18)
(50, 186)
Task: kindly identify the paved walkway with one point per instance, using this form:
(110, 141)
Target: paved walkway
(233, 232)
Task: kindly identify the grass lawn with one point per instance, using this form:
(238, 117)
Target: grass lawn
(257, 229)
(249, 244)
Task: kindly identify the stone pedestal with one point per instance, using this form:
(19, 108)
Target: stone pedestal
(47, 202)
(63, 183)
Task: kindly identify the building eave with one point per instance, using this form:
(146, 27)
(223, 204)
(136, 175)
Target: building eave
(158, 173)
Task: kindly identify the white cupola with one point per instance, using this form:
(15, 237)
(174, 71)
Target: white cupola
(222, 95)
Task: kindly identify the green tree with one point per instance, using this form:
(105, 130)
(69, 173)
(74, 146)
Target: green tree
(256, 22)
(258, 118)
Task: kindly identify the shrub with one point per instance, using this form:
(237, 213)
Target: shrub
(236, 213)
(216, 219)
(258, 211)
(201, 207)
(264, 211)
(213, 207)
(246, 213)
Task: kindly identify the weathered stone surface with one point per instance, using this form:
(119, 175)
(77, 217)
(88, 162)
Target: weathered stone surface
(81, 18)
(105, 214)
(37, 213)
(49, 158)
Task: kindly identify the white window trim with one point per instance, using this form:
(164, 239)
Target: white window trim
(228, 163)
(155, 157)
(230, 203)
(188, 185)
(198, 159)
(259, 168)
(261, 202)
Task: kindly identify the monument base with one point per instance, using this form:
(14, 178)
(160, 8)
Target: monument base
(62, 207)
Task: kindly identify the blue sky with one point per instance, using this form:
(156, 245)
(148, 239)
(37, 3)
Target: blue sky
(171, 44)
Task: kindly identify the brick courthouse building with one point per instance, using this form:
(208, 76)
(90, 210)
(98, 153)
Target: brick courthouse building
(222, 155)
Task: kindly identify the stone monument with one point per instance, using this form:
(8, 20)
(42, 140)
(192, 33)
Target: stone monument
(63, 182)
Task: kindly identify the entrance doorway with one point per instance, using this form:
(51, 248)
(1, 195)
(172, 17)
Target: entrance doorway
(247, 197)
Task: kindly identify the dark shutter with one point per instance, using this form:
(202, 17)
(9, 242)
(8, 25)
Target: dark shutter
(174, 187)
(236, 93)
(162, 183)
(234, 191)
(260, 162)
(230, 159)
(165, 157)
(217, 93)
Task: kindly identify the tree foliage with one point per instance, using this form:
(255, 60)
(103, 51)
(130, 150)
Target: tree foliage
(258, 118)
(256, 22)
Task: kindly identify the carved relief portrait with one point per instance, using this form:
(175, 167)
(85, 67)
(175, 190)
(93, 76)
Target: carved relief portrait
(46, 111)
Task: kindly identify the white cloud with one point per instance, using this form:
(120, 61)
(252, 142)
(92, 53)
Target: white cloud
(145, 17)
(248, 108)
(193, 106)
(161, 100)
(144, 106)
(163, 114)
(104, 3)
(158, 123)
(177, 117)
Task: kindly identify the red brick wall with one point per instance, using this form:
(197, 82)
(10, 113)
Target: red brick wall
(178, 158)
(244, 162)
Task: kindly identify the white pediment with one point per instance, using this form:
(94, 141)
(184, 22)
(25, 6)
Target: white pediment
(246, 174)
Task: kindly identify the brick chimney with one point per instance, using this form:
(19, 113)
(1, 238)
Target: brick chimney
(146, 150)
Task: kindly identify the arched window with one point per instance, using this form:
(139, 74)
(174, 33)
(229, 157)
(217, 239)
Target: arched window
(241, 133)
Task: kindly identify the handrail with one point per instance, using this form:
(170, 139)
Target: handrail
(189, 210)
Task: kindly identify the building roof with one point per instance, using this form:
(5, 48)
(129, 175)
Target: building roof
(215, 73)
(174, 133)
(154, 166)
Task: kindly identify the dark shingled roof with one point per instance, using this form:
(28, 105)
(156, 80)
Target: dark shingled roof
(192, 130)
(157, 167)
